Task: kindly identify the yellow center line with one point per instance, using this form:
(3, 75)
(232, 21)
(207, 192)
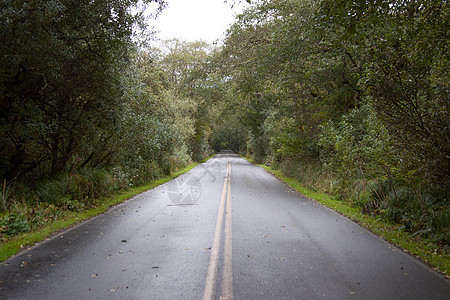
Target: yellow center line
(227, 276)
(211, 277)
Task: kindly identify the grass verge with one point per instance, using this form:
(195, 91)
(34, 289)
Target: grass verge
(423, 249)
(23, 240)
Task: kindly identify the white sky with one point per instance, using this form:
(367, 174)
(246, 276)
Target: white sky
(192, 20)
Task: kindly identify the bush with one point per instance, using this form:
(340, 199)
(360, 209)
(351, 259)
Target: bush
(84, 186)
(422, 213)
(312, 175)
(135, 173)
(14, 223)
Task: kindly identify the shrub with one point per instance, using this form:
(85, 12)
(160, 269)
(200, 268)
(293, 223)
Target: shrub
(84, 186)
(14, 223)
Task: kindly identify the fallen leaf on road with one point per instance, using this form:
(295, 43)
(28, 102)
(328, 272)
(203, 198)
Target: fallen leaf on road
(113, 290)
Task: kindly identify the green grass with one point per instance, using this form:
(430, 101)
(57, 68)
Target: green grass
(14, 244)
(422, 249)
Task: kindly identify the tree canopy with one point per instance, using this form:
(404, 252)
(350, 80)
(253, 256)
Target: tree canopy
(357, 89)
(350, 96)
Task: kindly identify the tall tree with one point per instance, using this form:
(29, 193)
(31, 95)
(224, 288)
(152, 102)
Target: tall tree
(405, 73)
(61, 67)
(185, 64)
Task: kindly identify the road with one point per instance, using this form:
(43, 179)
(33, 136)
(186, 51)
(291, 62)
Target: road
(224, 230)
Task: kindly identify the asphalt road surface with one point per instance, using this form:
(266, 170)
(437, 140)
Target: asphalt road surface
(224, 230)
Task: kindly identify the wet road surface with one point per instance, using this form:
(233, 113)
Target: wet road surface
(224, 230)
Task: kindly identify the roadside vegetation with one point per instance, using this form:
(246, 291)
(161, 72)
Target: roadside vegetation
(351, 98)
(89, 109)
(55, 219)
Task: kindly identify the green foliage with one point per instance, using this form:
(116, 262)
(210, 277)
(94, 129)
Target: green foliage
(405, 70)
(351, 98)
(14, 224)
(356, 147)
(422, 213)
(24, 217)
(231, 135)
(187, 96)
(62, 82)
(45, 219)
(83, 186)
(79, 98)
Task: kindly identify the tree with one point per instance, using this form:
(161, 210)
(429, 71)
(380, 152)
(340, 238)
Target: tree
(292, 75)
(185, 64)
(60, 80)
(405, 65)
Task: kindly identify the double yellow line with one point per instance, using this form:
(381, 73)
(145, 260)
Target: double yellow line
(227, 275)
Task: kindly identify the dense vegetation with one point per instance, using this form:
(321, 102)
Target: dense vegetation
(87, 108)
(351, 97)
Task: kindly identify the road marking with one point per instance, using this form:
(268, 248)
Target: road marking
(211, 277)
(227, 276)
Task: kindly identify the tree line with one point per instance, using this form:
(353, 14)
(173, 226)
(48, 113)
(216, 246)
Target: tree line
(351, 97)
(88, 107)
